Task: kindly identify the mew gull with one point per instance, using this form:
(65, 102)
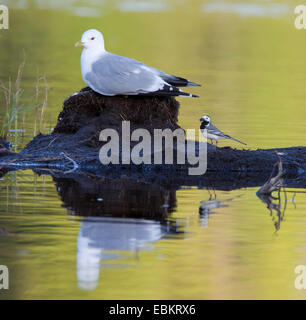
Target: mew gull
(110, 74)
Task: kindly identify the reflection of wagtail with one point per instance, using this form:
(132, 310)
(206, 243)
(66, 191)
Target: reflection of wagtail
(213, 133)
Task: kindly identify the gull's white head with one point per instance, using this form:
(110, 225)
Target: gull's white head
(91, 39)
(205, 119)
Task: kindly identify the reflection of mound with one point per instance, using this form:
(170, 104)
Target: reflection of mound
(87, 196)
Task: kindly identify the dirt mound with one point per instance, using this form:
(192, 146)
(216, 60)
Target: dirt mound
(93, 112)
(74, 144)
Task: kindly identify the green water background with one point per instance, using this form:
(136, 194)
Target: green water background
(252, 70)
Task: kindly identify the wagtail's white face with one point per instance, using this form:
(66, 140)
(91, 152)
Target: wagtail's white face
(91, 39)
(205, 119)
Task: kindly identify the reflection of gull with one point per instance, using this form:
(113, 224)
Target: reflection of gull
(99, 235)
(88, 263)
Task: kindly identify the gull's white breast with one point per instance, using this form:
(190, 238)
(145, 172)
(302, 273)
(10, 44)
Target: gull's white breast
(88, 58)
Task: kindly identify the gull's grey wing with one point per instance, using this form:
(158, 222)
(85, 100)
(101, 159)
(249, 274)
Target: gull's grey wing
(174, 80)
(112, 75)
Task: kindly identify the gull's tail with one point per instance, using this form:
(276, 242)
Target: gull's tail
(168, 90)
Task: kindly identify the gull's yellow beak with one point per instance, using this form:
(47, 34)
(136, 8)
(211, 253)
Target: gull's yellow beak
(79, 44)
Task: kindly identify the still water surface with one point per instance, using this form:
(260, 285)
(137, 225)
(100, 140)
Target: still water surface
(62, 240)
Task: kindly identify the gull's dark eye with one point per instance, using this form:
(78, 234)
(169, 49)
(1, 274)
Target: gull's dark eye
(93, 38)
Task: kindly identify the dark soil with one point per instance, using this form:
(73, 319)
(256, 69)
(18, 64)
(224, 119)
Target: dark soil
(4, 148)
(87, 113)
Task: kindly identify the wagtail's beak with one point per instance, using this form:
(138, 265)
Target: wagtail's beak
(79, 44)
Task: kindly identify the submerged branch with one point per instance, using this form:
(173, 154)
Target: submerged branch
(273, 183)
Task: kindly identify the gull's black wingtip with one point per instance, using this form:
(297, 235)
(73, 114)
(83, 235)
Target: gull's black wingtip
(185, 94)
